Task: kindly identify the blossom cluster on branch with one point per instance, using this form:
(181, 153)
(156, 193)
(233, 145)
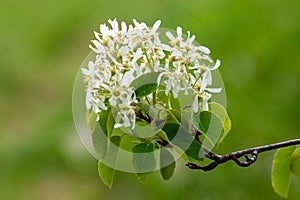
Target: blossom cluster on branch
(152, 89)
(125, 52)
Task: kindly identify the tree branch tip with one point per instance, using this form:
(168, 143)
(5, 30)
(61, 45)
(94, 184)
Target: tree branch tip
(234, 156)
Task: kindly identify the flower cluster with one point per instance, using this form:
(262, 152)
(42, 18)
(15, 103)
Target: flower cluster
(127, 52)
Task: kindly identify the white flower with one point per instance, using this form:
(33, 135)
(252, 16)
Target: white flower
(205, 71)
(185, 49)
(202, 91)
(99, 104)
(121, 96)
(175, 80)
(125, 117)
(175, 40)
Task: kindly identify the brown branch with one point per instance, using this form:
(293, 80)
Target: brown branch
(250, 155)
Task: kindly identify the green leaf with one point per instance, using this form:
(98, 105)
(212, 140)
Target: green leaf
(145, 107)
(295, 164)
(142, 177)
(102, 131)
(281, 175)
(221, 112)
(128, 142)
(155, 113)
(173, 116)
(215, 124)
(185, 99)
(167, 164)
(143, 130)
(183, 141)
(171, 130)
(210, 126)
(179, 151)
(201, 121)
(145, 84)
(117, 132)
(145, 90)
(176, 129)
(107, 174)
(143, 159)
(193, 151)
(106, 166)
(91, 120)
(174, 103)
(99, 141)
(103, 118)
(110, 124)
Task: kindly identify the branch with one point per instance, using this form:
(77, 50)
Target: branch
(250, 155)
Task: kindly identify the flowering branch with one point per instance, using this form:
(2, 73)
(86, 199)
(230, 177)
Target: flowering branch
(250, 155)
(156, 87)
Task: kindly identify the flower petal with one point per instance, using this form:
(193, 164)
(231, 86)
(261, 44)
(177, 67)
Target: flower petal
(179, 32)
(124, 27)
(204, 104)
(156, 26)
(170, 36)
(217, 65)
(214, 90)
(159, 77)
(195, 105)
(204, 49)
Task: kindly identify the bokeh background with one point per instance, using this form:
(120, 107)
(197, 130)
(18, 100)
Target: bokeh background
(43, 44)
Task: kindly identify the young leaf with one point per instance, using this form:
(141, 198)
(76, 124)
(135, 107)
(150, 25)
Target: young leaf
(145, 107)
(142, 177)
(171, 130)
(142, 130)
(91, 120)
(99, 141)
(98, 137)
(143, 159)
(281, 175)
(209, 125)
(127, 142)
(106, 172)
(110, 124)
(167, 164)
(102, 132)
(295, 164)
(176, 129)
(172, 124)
(183, 153)
(221, 112)
(201, 121)
(145, 84)
(145, 90)
(182, 141)
(103, 117)
(174, 116)
(174, 103)
(193, 151)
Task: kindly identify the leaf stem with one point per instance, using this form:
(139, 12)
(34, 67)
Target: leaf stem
(148, 101)
(169, 101)
(154, 97)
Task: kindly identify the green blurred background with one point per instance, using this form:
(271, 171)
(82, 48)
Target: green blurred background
(43, 44)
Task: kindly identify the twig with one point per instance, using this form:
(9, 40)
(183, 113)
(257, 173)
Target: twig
(250, 155)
